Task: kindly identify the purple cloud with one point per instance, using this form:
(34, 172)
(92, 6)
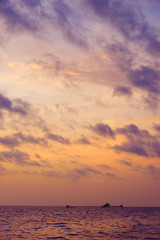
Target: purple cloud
(131, 147)
(30, 139)
(83, 140)
(64, 12)
(126, 163)
(58, 138)
(122, 91)
(13, 106)
(19, 138)
(153, 170)
(18, 157)
(14, 18)
(146, 78)
(32, 3)
(128, 19)
(138, 141)
(132, 129)
(103, 130)
(157, 127)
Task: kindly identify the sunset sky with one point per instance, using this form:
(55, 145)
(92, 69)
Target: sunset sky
(80, 102)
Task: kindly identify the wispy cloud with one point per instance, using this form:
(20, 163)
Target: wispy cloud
(58, 138)
(19, 138)
(129, 20)
(18, 157)
(80, 172)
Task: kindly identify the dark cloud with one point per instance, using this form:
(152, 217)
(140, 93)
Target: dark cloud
(132, 129)
(65, 21)
(146, 78)
(12, 105)
(35, 15)
(32, 3)
(157, 127)
(58, 138)
(103, 130)
(9, 141)
(122, 91)
(84, 141)
(126, 163)
(129, 20)
(138, 141)
(131, 147)
(19, 138)
(28, 116)
(14, 18)
(18, 157)
(30, 139)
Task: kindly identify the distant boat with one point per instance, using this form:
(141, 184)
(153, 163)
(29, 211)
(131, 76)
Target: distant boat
(68, 206)
(118, 206)
(106, 205)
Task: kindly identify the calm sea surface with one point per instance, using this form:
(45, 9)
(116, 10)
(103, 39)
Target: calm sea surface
(79, 223)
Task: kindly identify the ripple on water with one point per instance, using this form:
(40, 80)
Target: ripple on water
(79, 223)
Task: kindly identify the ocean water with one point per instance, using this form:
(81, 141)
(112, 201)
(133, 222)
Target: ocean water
(79, 223)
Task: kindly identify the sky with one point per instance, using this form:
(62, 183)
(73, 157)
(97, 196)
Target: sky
(79, 102)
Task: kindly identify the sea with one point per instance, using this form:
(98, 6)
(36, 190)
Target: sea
(79, 223)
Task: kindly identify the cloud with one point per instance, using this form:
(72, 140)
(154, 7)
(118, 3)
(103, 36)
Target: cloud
(19, 138)
(18, 157)
(111, 176)
(137, 74)
(84, 141)
(157, 127)
(131, 147)
(32, 3)
(132, 129)
(122, 91)
(79, 172)
(13, 106)
(153, 170)
(36, 16)
(126, 163)
(15, 18)
(64, 12)
(104, 166)
(58, 138)
(103, 130)
(146, 78)
(129, 20)
(138, 141)
(30, 139)
(28, 116)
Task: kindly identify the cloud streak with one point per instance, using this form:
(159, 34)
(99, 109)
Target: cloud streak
(18, 157)
(58, 138)
(129, 20)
